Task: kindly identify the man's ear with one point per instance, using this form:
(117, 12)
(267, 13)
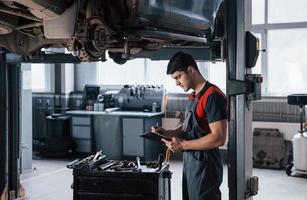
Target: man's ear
(190, 69)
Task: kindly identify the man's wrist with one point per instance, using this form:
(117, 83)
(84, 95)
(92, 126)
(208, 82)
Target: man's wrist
(185, 145)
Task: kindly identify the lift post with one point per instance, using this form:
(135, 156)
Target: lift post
(9, 125)
(240, 181)
(3, 120)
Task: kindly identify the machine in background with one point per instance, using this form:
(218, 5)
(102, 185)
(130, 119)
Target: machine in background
(146, 98)
(299, 140)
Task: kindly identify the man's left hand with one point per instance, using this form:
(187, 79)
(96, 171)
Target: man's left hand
(175, 145)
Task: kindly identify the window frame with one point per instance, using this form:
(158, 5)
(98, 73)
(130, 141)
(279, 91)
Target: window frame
(263, 29)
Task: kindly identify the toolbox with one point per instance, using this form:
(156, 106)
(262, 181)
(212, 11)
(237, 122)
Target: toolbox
(96, 178)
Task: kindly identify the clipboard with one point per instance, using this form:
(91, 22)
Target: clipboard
(155, 136)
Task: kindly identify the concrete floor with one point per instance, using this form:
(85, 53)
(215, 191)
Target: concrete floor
(51, 181)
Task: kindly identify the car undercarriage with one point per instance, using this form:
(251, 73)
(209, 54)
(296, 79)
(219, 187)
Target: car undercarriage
(124, 28)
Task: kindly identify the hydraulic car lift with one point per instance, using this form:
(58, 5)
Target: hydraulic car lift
(241, 88)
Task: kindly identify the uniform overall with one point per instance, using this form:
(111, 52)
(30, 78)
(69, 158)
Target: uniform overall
(202, 170)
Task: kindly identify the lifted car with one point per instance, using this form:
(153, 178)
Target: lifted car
(124, 28)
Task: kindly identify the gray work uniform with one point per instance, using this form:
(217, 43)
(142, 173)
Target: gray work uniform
(202, 170)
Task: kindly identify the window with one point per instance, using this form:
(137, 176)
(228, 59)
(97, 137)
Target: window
(151, 72)
(258, 12)
(41, 77)
(284, 11)
(283, 34)
(138, 71)
(217, 74)
(132, 72)
(287, 61)
(156, 74)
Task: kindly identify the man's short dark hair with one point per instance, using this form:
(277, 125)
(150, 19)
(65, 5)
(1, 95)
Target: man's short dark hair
(180, 62)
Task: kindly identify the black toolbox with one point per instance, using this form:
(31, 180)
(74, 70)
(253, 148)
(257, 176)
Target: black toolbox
(104, 179)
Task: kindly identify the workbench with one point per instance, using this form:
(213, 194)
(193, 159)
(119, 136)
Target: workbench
(116, 133)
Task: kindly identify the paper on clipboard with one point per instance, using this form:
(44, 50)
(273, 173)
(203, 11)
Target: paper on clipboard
(154, 136)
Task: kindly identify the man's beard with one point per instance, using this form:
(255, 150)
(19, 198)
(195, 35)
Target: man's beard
(187, 89)
(190, 83)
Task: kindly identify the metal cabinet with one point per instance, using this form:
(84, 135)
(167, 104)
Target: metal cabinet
(133, 144)
(108, 135)
(82, 133)
(117, 135)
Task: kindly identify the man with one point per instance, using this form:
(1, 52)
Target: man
(202, 132)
